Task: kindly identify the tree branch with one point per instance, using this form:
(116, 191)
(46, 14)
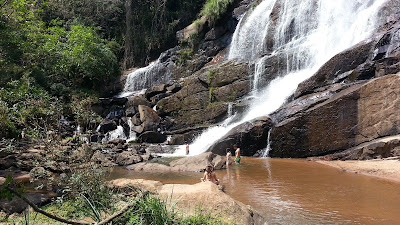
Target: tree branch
(37, 209)
(117, 214)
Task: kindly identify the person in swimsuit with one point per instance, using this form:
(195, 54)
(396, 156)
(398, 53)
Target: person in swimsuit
(229, 160)
(237, 154)
(209, 175)
(187, 149)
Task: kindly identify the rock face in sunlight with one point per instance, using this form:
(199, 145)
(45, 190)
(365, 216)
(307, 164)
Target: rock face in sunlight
(187, 164)
(358, 114)
(349, 101)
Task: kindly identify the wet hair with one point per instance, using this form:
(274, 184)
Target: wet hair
(209, 168)
(228, 150)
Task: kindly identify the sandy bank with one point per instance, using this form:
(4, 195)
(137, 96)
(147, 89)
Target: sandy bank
(383, 168)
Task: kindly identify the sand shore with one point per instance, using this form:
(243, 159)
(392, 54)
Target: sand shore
(383, 168)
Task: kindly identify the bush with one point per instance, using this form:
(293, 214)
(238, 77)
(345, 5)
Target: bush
(26, 106)
(7, 128)
(148, 210)
(213, 10)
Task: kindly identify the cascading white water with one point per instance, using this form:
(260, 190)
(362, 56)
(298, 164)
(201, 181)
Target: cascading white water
(115, 134)
(307, 33)
(268, 148)
(153, 74)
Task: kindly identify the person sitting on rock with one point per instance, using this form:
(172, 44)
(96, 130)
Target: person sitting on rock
(229, 160)
(209, 175)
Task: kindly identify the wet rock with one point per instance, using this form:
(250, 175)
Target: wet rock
(232, 92)
(152, 137)
(107, 125)
(116, 114)
(119, 101)
(340, 63)
(358, 114)
(249, 137)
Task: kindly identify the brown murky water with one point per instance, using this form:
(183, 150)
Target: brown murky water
(292, 191)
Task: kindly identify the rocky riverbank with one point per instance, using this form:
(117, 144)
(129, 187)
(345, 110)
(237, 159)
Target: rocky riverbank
(388, 169)
(204, 195)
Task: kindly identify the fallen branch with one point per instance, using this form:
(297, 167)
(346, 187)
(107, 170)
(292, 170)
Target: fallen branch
(117, 214)
(103, 222)
(37, 209)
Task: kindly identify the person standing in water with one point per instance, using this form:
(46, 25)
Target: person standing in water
(237, 154)
(229, 160)
(187, 149)
(209, 175)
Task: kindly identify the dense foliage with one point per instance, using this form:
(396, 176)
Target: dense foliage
(214, 9)
(151, 27)
(45, 62)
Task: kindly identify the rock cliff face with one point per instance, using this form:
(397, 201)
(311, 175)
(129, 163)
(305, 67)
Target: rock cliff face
(360, 113)
(351, 100)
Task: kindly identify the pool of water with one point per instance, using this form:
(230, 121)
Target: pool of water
(293, 191)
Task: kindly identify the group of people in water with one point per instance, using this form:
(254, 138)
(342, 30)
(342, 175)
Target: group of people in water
(209, 174)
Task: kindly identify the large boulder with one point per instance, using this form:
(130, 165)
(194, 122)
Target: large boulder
(249, 136)
(355, 115)
(16, 205)
(137, 100)
(150, 119)
(152, 137)
(186, 199)
(127, 158)
(196, 163)
(155, 90)
(107, 125)
(199, 162)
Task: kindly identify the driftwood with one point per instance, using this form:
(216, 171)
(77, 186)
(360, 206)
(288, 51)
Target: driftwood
(37, 209)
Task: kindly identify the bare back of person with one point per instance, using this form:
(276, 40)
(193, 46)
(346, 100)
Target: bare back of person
(237, 155)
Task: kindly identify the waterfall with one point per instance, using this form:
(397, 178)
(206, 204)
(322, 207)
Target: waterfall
(115, 134)
(304, 35)
(268, 148)
(154, 74)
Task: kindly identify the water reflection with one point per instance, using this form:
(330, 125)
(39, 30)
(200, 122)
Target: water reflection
(300, 192)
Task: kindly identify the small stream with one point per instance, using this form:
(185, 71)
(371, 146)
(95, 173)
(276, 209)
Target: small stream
(294, 191)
